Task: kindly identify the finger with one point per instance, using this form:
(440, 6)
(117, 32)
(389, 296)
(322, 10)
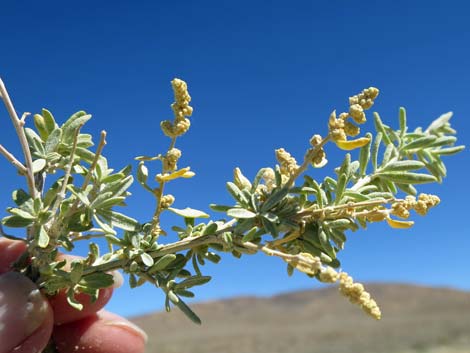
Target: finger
(38, 339)
(103, 332)
(10, 251)
(64, 313)
(26, 318)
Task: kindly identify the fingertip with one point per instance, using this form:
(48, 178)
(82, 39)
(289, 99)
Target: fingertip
(64, 313)
(39, 339)
(101, 333)
(26, 317)
(10, 250)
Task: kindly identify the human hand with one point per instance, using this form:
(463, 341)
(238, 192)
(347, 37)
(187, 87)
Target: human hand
(28, 319)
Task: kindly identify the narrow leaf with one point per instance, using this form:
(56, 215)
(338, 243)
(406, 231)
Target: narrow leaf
(379, 126)
(364, 156)
(270, 227)
(49, 120)
(274, 198)
(237, 193)
(257, 179)
(38, 165)
(402, 120)
(162, 263)
(375, 150)
(16, 222)
(408, 178)
(43, 238)
(146, 259)
(188, 312)
(193, 281)
(188, 212)
(340, 187)
(219, 208)
(439, 122)
(403, 165)
(448, 151)
(422, 142)
(120, 220)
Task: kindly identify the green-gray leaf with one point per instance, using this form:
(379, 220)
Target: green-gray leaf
(146, 259)
(188, 213)
(403, 165)
(407, 178)
(43, 238)
(240, 213)
(16, 222)
(193, 281)
(162, 263)
(38, 165)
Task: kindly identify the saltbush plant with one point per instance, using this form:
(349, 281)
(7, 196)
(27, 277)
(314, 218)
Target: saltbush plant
(72, 194)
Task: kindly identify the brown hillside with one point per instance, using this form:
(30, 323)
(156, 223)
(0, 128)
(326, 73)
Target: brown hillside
(415, 319)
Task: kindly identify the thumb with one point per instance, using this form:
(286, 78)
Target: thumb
(25, 315)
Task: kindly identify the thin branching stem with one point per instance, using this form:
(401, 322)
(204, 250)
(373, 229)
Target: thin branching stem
(68, 171)
(350, 205)
(98, 152)
(307, 160)
(13, 160)
(18, 124)
(158, 195)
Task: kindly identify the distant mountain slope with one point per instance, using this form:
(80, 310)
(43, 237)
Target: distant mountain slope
(415, 319)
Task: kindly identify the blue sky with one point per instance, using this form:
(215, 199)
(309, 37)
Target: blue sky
(263, 75)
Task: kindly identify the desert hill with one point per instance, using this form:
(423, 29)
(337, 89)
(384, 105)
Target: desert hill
(415, 319)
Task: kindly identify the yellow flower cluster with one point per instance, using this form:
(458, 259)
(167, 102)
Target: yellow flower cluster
(361, 102)
(339, 128)
(287, 163)
(425, 202)
(319, 159)
(166, 201)
(329, 275)
(421, 206)
(350, 129)
(181, 110)
(356, 294)
(181, 107)
(170, 159)
(306, 263)
(336, 128)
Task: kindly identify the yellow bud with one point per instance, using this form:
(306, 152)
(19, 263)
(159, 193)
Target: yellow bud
(182, 173)
(240, 180)
(353, 144)
(399, 224)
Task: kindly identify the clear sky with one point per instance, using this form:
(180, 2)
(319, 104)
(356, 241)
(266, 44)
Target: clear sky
(263, 75)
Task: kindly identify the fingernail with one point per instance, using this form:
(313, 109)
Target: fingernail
(130, 327)
(22, 309)
(118, 279)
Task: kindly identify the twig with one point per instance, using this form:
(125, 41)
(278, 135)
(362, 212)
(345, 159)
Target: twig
(349, 205)
(99, 149)
(11, 158)
(23, 118)
(185, 244)
(307, 160)
(61, 194)
(87, 236)
(21, 136)
(159, 194)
